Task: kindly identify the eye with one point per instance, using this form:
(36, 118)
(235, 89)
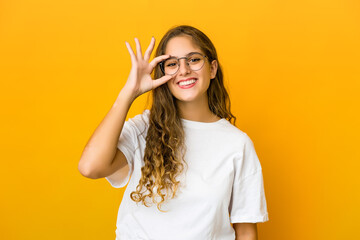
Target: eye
(170, 64)
(194, 59)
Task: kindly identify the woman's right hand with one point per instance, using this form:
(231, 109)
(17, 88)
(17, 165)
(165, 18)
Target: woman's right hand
(139, 80)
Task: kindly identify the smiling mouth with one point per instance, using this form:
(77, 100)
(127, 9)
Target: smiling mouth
(188, 82)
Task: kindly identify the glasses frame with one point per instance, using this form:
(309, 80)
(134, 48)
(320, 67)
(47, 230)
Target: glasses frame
(178, 62)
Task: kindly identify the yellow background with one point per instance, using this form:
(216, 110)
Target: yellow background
(292, 68)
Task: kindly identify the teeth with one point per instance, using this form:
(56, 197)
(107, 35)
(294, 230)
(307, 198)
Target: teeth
(187, 82)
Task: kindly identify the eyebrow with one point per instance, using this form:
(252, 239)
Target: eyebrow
(186, 54)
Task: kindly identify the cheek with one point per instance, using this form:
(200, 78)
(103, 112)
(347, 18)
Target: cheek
(206, 73)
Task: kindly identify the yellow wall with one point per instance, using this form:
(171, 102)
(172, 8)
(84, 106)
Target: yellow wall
(293, 70)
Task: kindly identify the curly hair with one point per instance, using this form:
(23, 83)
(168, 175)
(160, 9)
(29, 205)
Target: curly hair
(165, 148)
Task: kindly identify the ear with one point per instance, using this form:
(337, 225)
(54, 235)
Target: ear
(213, 69)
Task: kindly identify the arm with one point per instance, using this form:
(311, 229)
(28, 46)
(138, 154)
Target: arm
(100, 157)
(245, 231)
(97, 158)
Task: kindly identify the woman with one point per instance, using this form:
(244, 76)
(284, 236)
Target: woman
(193, 173)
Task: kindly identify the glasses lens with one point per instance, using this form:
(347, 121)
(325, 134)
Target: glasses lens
(171, 66)
(196, 61)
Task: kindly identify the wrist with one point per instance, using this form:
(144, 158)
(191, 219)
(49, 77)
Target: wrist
(125, 97)
(127, 94)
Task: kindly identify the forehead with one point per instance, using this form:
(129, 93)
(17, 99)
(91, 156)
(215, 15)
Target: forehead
(181, 45)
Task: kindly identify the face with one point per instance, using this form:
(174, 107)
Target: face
(179, 47)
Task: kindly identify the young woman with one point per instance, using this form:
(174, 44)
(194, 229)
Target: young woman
(194, 174)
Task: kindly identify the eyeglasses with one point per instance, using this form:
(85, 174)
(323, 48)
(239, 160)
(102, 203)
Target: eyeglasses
(171, 65)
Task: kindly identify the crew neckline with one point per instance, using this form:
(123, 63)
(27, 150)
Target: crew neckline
(197, 124)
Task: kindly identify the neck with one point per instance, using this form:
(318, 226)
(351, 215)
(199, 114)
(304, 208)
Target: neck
(196, 111)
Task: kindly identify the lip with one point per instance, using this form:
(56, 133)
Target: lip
(187, 86)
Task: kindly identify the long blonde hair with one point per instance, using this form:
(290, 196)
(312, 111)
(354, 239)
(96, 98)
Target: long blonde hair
(165, 149)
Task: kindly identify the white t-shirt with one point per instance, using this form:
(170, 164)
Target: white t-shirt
(223, 184)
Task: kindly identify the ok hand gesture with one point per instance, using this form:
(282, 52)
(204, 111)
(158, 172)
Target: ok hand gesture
(139, 80)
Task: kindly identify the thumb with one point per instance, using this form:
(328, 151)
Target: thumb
(161, 81)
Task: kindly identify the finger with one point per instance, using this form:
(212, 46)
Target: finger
(158, 59)
(149, 49)
(161, 81)
(131, 52)
(138, 49)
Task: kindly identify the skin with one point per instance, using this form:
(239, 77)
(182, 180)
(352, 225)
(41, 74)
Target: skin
(245, 231)
(192, 102)
(101, 157)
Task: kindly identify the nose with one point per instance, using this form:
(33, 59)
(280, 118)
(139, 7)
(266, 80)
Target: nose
(184, 68)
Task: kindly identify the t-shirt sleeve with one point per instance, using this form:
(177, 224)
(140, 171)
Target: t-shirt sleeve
(128, 143)
(248, 203)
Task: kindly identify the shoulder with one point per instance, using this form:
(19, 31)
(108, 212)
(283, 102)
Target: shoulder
(234, 133)
(139, 122)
